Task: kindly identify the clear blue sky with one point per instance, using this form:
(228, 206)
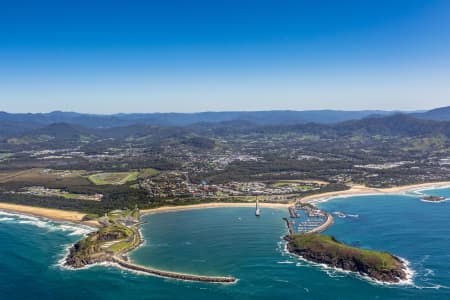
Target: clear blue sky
(184, 56)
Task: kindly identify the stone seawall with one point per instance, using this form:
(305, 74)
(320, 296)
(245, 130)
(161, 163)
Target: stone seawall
(324, 226)
(174, 275)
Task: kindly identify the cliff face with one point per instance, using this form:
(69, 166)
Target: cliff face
(326, 250)
(88, 251)
(77, 261)
(81, 255)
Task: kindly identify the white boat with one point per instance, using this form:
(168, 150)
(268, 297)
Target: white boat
(257, 211)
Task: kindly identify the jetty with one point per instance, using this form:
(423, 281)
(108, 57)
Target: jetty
(173, 275)
(324, 225)
(293, 212)
(290, 225)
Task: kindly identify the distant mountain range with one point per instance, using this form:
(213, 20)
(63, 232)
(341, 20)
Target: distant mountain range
(391, 125)
(276, 117)
(438, 114)
(67, 125)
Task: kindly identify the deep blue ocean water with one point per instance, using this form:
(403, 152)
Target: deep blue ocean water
(232, 241)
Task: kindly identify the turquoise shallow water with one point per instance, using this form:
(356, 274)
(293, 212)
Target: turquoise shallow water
(232, 241)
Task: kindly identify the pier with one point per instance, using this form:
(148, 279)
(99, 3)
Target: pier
(173, 275)
(293, 212)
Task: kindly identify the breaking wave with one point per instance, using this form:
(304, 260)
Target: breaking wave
(44, 223)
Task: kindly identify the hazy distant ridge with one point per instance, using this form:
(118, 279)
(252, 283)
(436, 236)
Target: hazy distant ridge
(277, 117)
(19, 124)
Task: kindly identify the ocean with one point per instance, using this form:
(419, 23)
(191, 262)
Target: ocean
(232, 241)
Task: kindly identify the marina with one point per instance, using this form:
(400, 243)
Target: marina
(306, 218)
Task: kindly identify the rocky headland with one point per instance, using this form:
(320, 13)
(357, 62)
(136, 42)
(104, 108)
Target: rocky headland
(111, 243)
(325, 249)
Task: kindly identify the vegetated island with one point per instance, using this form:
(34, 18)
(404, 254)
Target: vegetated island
(433, 199)
(119, 234)
(325, 249)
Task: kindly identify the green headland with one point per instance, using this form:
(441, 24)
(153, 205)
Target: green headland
(325, 249)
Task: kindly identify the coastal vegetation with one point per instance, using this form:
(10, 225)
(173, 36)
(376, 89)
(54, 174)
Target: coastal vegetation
(325, 249)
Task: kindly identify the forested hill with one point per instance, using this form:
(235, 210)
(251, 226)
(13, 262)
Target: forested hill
(21, 124)
(392, 125)
(276, 117)
(439, 114)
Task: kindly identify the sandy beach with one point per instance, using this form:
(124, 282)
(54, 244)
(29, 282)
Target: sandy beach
(211, 205)
(356, 190)
(54, 214)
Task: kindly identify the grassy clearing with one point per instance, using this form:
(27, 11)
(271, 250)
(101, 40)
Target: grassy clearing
(44, 177)
(149, 172)
(299, 181)
(428, 143)
(117, 229)
(120, 246)
(116, 214)
(127, 243)
(291, 184)
(296, 186)
(114, 178)
(70, 196)
(328, 244)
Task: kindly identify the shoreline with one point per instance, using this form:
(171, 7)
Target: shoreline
(48, 213)
(409, 272)
(76, 217)
(355, 190)
(164, 209)
(361, 190)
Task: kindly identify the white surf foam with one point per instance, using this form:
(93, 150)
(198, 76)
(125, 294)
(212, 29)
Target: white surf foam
(285, 262)
(44, 223)
(353, 216)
